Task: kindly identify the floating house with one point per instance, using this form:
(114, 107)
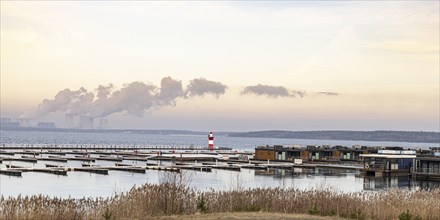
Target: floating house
(427, 168)
(352, 154)
(323, 153)
(311, 153)
(389, 162)
(265, 153)
(278, 152)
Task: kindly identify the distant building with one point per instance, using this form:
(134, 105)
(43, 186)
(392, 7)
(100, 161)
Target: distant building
(8, 123)
(46, 125)
(5, 120)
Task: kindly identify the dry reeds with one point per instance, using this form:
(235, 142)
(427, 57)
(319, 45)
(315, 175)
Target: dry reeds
(171, 198)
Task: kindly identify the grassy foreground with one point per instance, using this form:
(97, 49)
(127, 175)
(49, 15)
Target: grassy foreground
(245, 216)
(167, 199)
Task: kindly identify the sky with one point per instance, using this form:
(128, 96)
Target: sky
(223, 66)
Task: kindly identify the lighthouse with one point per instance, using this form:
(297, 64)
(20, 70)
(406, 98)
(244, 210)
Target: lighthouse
(211, 141)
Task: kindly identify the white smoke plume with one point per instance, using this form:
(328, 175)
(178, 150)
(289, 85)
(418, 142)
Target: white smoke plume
(272, 91)
(200, 87)
(170, 89)
(136, 98)
(328, 93)
(63, 101)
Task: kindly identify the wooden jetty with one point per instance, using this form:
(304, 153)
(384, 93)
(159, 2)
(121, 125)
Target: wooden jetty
(51, 171)
(118, 159)
(81, 159)
(11, 172)
(253, 167)
(53, 165)
(185, 164)
(108, 153)
(89, 165)
(172, 158)
(127, 169)
(88, 169)
(7, 153)
(55, 152)
(64, 160)
(137, 158)
(41, 170)
(14, 166)
(51, 156)
(30, 160)
(223, 167)
(194, 167)
(123, 165)
(162, 168)
(29, 153)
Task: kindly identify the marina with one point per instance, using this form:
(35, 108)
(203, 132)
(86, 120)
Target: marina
(101, 171)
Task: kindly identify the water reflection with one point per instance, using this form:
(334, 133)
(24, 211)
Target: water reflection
(387, 182)
(305, 172)
(370, 183)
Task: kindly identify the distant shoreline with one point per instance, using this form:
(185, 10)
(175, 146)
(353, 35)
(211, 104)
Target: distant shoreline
(387, 136)
(343, 135)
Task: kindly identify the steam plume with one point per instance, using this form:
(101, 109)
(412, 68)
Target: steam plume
(328, 93)
(136, 98)
(200, 87)
(272, 91)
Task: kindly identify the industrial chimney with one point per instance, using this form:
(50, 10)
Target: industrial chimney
(69, 120)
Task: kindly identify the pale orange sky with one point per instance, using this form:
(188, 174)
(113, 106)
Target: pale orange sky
(381, 58)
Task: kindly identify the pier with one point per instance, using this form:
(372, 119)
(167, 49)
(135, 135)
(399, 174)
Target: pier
(366, 160)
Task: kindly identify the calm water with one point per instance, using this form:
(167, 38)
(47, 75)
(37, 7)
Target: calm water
(80, 184)
(66, 138)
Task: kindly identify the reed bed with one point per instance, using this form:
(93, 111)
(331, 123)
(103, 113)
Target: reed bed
(167, 198)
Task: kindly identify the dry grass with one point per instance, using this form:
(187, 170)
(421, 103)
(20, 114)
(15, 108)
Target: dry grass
(174, 198)
(245, 216)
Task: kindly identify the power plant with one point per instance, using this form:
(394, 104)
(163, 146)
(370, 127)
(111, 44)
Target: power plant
(69, 121)
(86, 122)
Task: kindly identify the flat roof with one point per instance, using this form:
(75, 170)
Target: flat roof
(387, 156)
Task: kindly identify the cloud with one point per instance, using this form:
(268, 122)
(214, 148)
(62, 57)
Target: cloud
(200, 87)
(272, 91)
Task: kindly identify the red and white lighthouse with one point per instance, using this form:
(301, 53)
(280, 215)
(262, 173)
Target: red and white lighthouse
(211, 141)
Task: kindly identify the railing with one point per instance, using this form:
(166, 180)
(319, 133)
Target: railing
(427, 171)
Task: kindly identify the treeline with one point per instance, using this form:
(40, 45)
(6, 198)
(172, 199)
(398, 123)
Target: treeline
(395, 136)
